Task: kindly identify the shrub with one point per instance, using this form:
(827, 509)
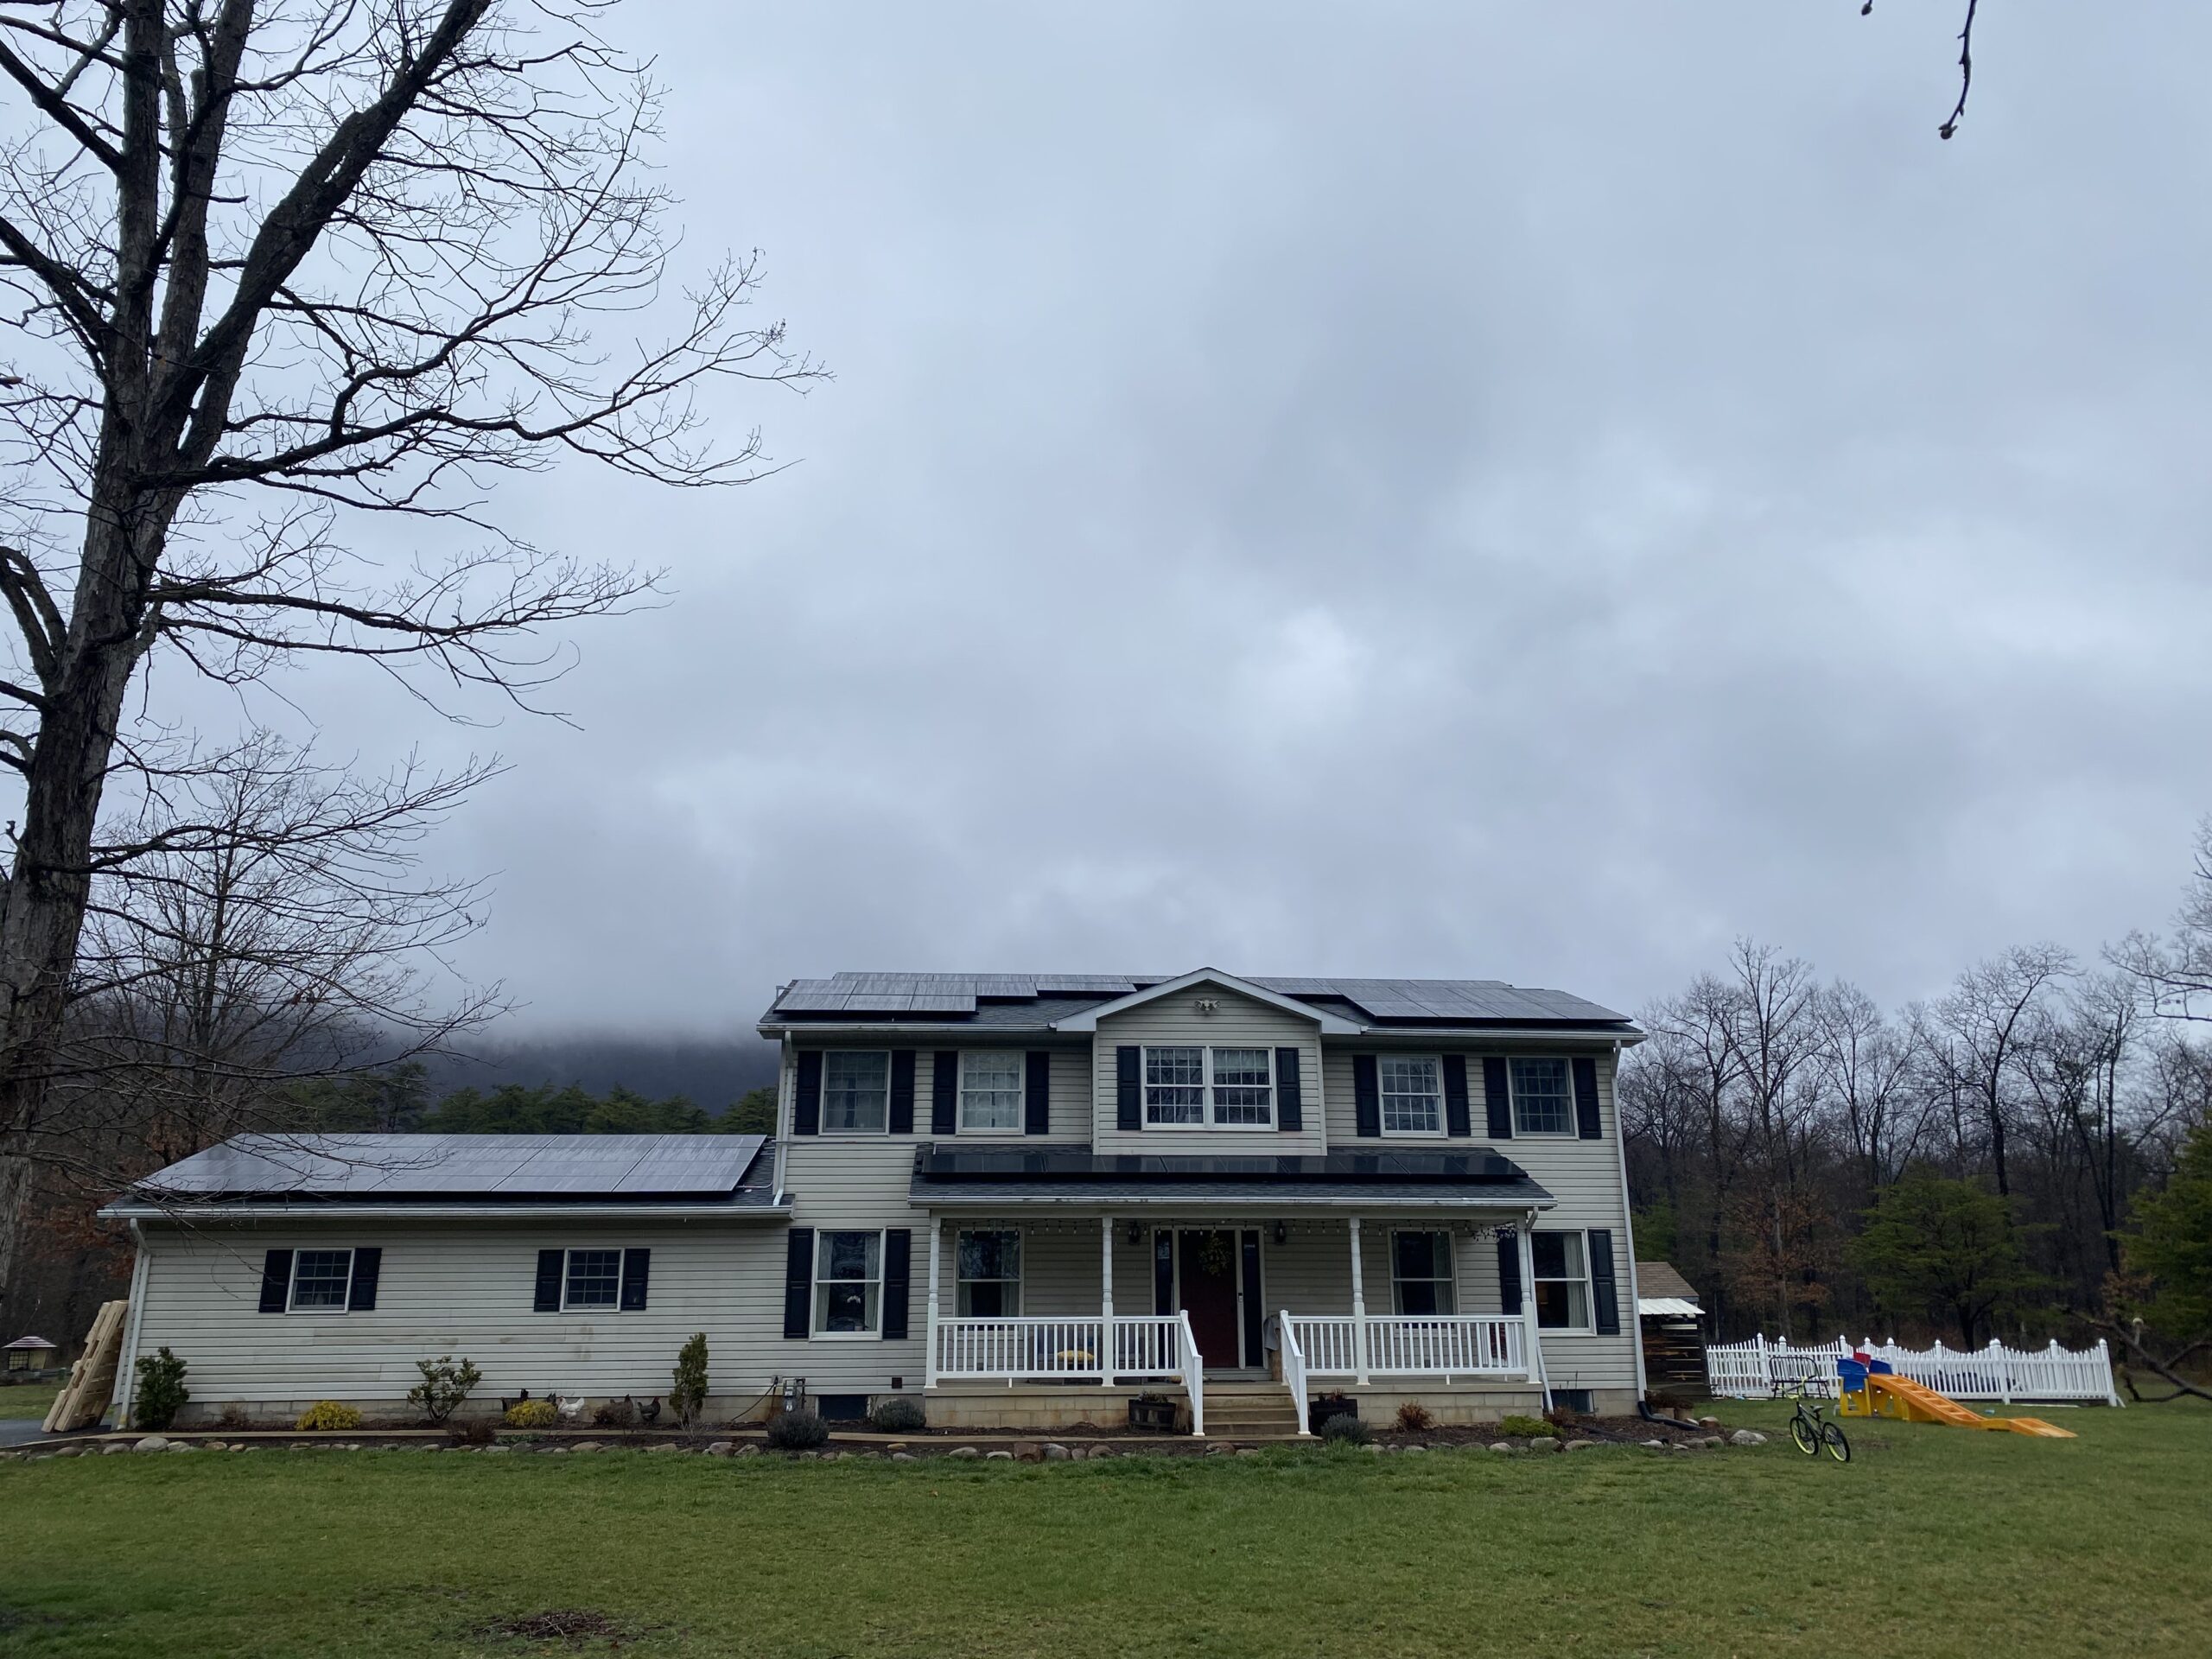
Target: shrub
(328, 1414)
(688, 1392)
(1346, 1430)
(532, 1414)
(617, 1414)
(161, 1393)
(796, 1431)
(1523, 1426)
(899, 1415)
(1413, 1418)
(443, 1387)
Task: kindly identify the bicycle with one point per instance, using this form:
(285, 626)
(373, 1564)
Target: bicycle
(1810, 1429)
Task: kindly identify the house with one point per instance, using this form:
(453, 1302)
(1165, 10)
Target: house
(1021, 1199)
(1672, 1325)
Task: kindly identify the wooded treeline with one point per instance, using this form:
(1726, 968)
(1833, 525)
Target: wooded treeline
(1961, 1167)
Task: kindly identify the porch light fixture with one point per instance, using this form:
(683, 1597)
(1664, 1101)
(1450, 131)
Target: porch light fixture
(1282, 1232)
(1135, 1235)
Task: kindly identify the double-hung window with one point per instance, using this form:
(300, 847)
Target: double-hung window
(1562, 1275)
(856, 1091)
(321, 1280)
(1421, 1274)
(1228, 1088)
(989, 1267)
(990, 1088)
(1543, 1100)
(1412, 1087)
(848, 1284)
(592, 1279)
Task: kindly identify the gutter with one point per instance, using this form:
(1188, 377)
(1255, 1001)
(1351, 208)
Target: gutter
(1413, 1034)
(126, 1361)
(135, 1213)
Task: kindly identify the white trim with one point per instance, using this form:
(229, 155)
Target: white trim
(814, 1282)
(292, 1280)
(1332, 1025)
(1628, 1216)
(960, 1094)
(1589, 1289)
(823, 1127)
(1573, 1129)
(1443, 1107)
(126, 1364)
(1206, 1085)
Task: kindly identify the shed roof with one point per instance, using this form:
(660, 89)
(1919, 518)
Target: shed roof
(25, 1342)
(1658, 1279)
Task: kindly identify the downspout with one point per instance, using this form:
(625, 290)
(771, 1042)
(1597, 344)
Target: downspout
(126, 1361)
(783, 1112)
(1628, 1230)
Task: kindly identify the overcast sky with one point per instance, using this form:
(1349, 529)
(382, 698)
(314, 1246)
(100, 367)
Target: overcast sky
(1516, 490)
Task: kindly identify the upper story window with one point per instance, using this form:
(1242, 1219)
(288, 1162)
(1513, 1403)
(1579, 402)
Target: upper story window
(1413, 1094)
(1227, 1087)
(856, 1091)
(1543, 1100)
(990, 1088)
(321, 1279)
(1421, 1274)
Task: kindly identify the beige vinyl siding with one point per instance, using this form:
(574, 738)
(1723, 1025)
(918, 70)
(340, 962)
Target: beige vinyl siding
(1240, 1022)
(1070, 1104)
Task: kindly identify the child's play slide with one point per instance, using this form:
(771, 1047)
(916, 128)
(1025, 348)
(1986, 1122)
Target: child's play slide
(1900, 1397)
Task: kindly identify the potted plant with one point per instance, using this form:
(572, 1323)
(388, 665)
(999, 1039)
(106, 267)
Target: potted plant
(1151, 1411)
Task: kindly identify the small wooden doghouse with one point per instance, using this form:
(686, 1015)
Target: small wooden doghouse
(1673, 1328)
(30, 1354)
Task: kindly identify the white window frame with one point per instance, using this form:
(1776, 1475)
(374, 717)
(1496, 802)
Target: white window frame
(1383, 1112)
(1020, 1093)
(621, 1267)
(1538, 1281)
(1206, 1107)
(828, 1054)
(1451, 1271)
(292, 1284)
(1512, 1095)
(1020, 1282)
(814, 1282)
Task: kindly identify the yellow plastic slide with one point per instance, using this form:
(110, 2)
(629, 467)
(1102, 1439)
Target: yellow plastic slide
(1912, 1402)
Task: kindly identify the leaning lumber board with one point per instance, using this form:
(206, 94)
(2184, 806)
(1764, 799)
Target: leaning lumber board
(92, 1379)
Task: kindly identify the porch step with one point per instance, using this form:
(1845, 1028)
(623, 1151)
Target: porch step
(1231, 1412)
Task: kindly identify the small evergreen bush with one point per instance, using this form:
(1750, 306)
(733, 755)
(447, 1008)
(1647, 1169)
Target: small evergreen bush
(1523, 1426)
(796, 1431)
(1346, 1430)
(1413, 1418)
(899, 1415)
(329, 1415)
(688, 1393)
(161, 1393)
(532, 1414)
(443, 1388)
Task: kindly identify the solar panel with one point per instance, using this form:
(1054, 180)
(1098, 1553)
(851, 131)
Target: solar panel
(1110, 984)
(339, 1165)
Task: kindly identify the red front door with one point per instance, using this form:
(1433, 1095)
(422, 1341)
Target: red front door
(1206, 1280)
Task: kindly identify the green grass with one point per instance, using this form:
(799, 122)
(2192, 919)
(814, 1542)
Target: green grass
(28, 1400)
(1933, 1540)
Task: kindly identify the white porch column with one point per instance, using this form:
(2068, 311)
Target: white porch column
(1358, 1312)
(937, 1237)
(1106, 1298)
(1530, 1330)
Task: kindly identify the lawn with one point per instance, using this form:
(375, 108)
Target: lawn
(30, 1401)
(1933, 1540)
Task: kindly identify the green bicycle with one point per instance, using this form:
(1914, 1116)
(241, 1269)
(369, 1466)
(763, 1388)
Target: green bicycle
(1810, 1429)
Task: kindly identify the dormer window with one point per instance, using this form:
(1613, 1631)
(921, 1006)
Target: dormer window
(1221, 1087)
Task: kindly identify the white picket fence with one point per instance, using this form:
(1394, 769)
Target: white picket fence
(1753, 1370)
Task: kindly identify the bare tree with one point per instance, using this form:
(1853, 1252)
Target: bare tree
(268, 268)
(1966, 65)
(2176, 974)
(1987, 1018)
(1868, 1065)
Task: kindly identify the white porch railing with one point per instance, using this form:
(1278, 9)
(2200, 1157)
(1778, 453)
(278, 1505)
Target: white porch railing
(1193, 1367)
(1446, 1345)
(1293, 1368)
(1752, 1370)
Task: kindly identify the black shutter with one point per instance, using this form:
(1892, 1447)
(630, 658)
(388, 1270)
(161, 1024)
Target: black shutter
(798, 1279)
(898, 1258)
(276, 1280)
(1367, 1095)
(1604, 1299)
(1508, 1274)
(637, 1269)
(1163, 1273)
(1456, 1118)
(1037, 1093)
(806, 1106)
(1290, 1093)
(944, 1093)
(548, 1297)
(1254, 1313)
(1496, 1104)
(902, 1092)
(1129, 1094)
(1585, 1098)
(368, 1263)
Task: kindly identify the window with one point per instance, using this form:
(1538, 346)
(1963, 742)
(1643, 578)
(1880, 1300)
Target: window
(856, 1091)
(593, 1280)
(1562, 1273)
(989, 1268)
(1230, 1088)
(1543, 1103)
(321, 1279)
(1421, 1274)
(990, 1090)
(1413, 1094)
(848, 1284)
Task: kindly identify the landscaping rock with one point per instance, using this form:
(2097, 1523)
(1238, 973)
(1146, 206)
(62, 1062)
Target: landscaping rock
(69, 1452)
(585, 1445)
(904, 1457)
(998, 1457)
(1543, 1443)
(746, 1451)
(1057, 1453)
(1372, 1449)
(1413, 1448)
(895, 1446)
(182, 1446)
(112, 1448)
(1100, 1452)
(152, 1443)
(1248, 1451)
(665, 1446)
(1028, 1451)
(1747, 1437)
(1505, 1446)
(1708, 1422)
(1220, 1448)
(721, 1448)
(963, 1451)
(1581, 1446)
(1657, 1445)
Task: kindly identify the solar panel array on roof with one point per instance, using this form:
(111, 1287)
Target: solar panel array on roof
(355, 1166)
